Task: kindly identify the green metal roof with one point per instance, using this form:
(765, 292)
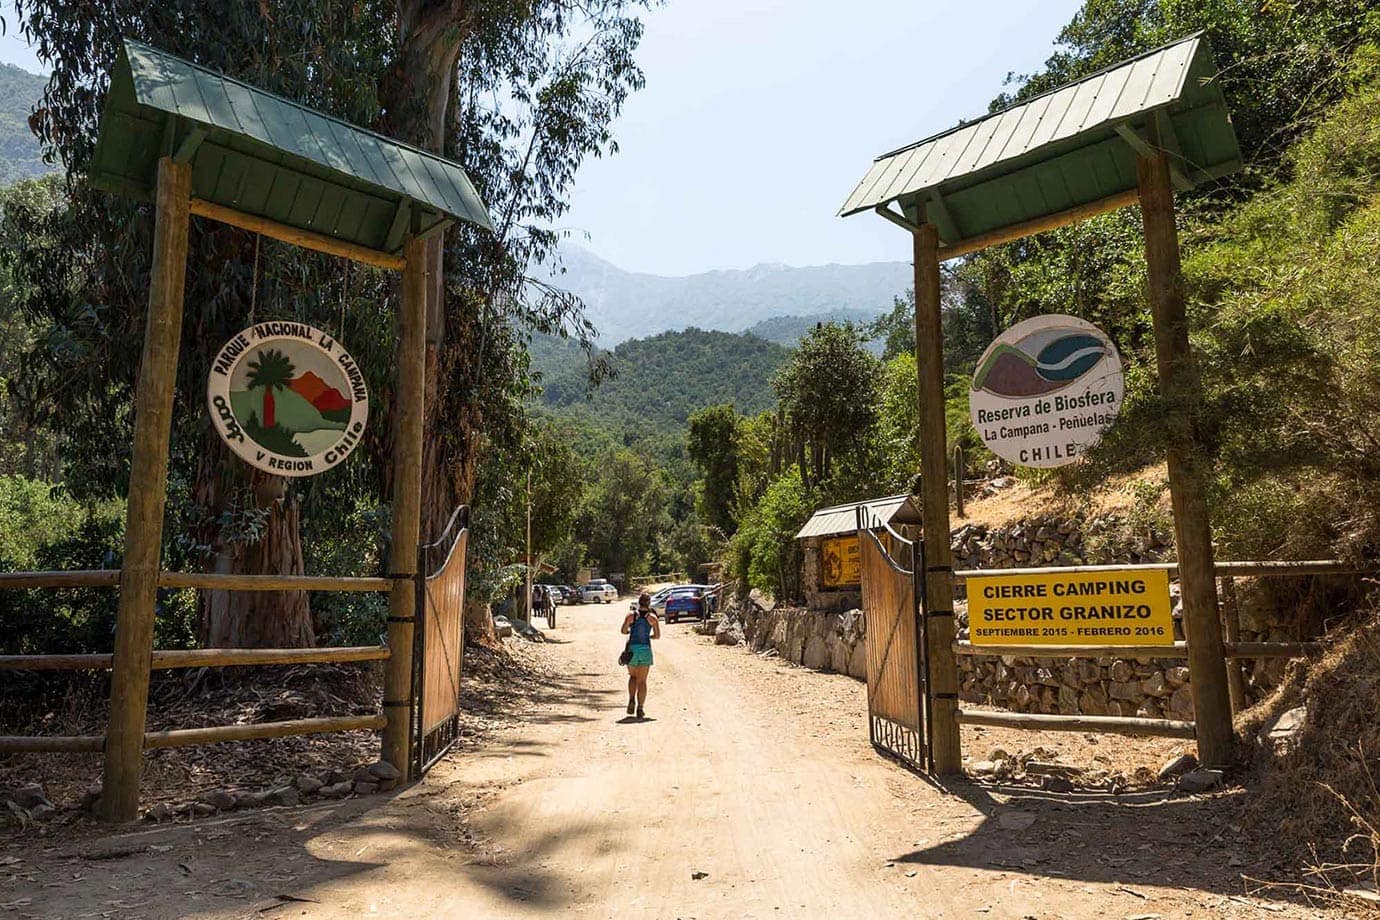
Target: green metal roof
(269, 157)
(1068, 147)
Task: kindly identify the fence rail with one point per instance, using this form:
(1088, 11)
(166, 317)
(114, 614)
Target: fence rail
(1222, 569)
(209, 581)
(1122, 725)
(1139, 652)
(183, 737)
(197, 658)
(167, 659)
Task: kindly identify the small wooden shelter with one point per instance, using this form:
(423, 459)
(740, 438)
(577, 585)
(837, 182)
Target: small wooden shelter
(195, 142)
(1133, 133)
(830, 564)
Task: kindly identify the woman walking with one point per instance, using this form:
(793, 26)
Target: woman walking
(641, 627)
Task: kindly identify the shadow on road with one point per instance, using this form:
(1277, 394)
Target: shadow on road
(1149, 838)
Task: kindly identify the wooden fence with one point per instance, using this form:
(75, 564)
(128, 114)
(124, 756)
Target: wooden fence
(1235, 651)
(163, 659)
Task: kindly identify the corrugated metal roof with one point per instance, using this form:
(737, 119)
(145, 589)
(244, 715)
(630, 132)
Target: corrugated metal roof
(270, 157)
(1062, 149)
(841, 519)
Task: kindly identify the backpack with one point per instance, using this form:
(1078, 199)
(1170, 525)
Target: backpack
(626, 657)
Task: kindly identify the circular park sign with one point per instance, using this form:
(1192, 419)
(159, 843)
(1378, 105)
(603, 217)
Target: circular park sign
(1045, 390)
(287, 398)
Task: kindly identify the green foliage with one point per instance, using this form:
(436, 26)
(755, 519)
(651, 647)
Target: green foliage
(26, 447)
(763, 553)
(33, 515)
(624, 511)
(543, 468)
(1290, 356)
(713, 445)
(827, 395)
(42, 529)
(526, 106)
(789, 330)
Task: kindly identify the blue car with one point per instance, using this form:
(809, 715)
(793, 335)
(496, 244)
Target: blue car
(683, 602)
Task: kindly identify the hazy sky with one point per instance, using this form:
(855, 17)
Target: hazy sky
(760, 115)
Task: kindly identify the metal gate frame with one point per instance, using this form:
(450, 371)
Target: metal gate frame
(430, 746)
(912, 748)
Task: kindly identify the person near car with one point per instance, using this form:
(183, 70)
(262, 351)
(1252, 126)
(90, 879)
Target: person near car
(641, 626)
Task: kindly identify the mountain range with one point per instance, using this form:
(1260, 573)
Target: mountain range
(625, 305)
(20, 155)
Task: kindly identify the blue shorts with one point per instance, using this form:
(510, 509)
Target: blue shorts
(641, 656)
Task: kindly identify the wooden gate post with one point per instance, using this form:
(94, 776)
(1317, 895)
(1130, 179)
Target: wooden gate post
(407, 509)
(148, 481)
(934, 488)
(1180, 388)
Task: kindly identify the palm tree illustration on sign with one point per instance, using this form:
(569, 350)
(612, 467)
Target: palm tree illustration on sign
(271, 370)
(286, 408)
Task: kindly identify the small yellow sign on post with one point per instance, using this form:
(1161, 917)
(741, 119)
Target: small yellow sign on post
(840, 563)
(1121, 607)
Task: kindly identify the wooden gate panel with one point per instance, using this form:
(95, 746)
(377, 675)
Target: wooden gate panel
(894, 685)
(444, 638)
(440, 654)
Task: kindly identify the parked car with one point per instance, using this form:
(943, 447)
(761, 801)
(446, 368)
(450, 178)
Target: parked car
(684, 602)
(569, 595)
(670, 604)
(561, 594)
(598, 591)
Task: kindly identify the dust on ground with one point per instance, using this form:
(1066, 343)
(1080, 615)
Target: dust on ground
(750, 790)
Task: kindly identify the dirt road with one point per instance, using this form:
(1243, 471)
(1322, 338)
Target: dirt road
(749, 791)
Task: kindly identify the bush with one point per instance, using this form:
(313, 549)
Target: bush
(764, 552)
(33, 514)
(49, 621)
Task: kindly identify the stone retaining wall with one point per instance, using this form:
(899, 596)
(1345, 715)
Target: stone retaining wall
(1089, 686)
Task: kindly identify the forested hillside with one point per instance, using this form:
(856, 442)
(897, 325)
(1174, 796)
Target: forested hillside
(659, 381)
(20, 156)
(789, 330)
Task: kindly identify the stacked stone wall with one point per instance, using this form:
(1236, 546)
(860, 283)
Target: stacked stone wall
(1159, 688)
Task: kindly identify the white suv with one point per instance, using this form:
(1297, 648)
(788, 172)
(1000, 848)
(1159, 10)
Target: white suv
(598, 591)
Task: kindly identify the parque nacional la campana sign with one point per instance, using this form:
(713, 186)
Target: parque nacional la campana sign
(1046, 390)
(287, 398)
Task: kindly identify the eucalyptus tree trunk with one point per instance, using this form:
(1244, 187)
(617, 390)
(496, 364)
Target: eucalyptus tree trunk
(250, 520)
(250, 619)
(417, 93)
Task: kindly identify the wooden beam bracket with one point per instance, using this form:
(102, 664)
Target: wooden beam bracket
(1143, 147)
(938, 212)
(187, 149)
(895, 218)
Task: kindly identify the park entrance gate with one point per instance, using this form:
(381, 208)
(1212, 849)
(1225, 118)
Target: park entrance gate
(438, 653)
(897, 688)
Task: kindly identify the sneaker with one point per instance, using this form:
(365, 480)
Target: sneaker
(631, 707)
(640, 713)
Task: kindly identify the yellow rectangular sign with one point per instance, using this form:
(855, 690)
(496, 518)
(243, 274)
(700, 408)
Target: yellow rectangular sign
(840, 563)
(1121, 607)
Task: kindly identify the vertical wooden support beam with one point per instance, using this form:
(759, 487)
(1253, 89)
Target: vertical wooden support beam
(148, 480)
(407, 508)
(934, 488)
(1180, 389)
(1231, 632)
